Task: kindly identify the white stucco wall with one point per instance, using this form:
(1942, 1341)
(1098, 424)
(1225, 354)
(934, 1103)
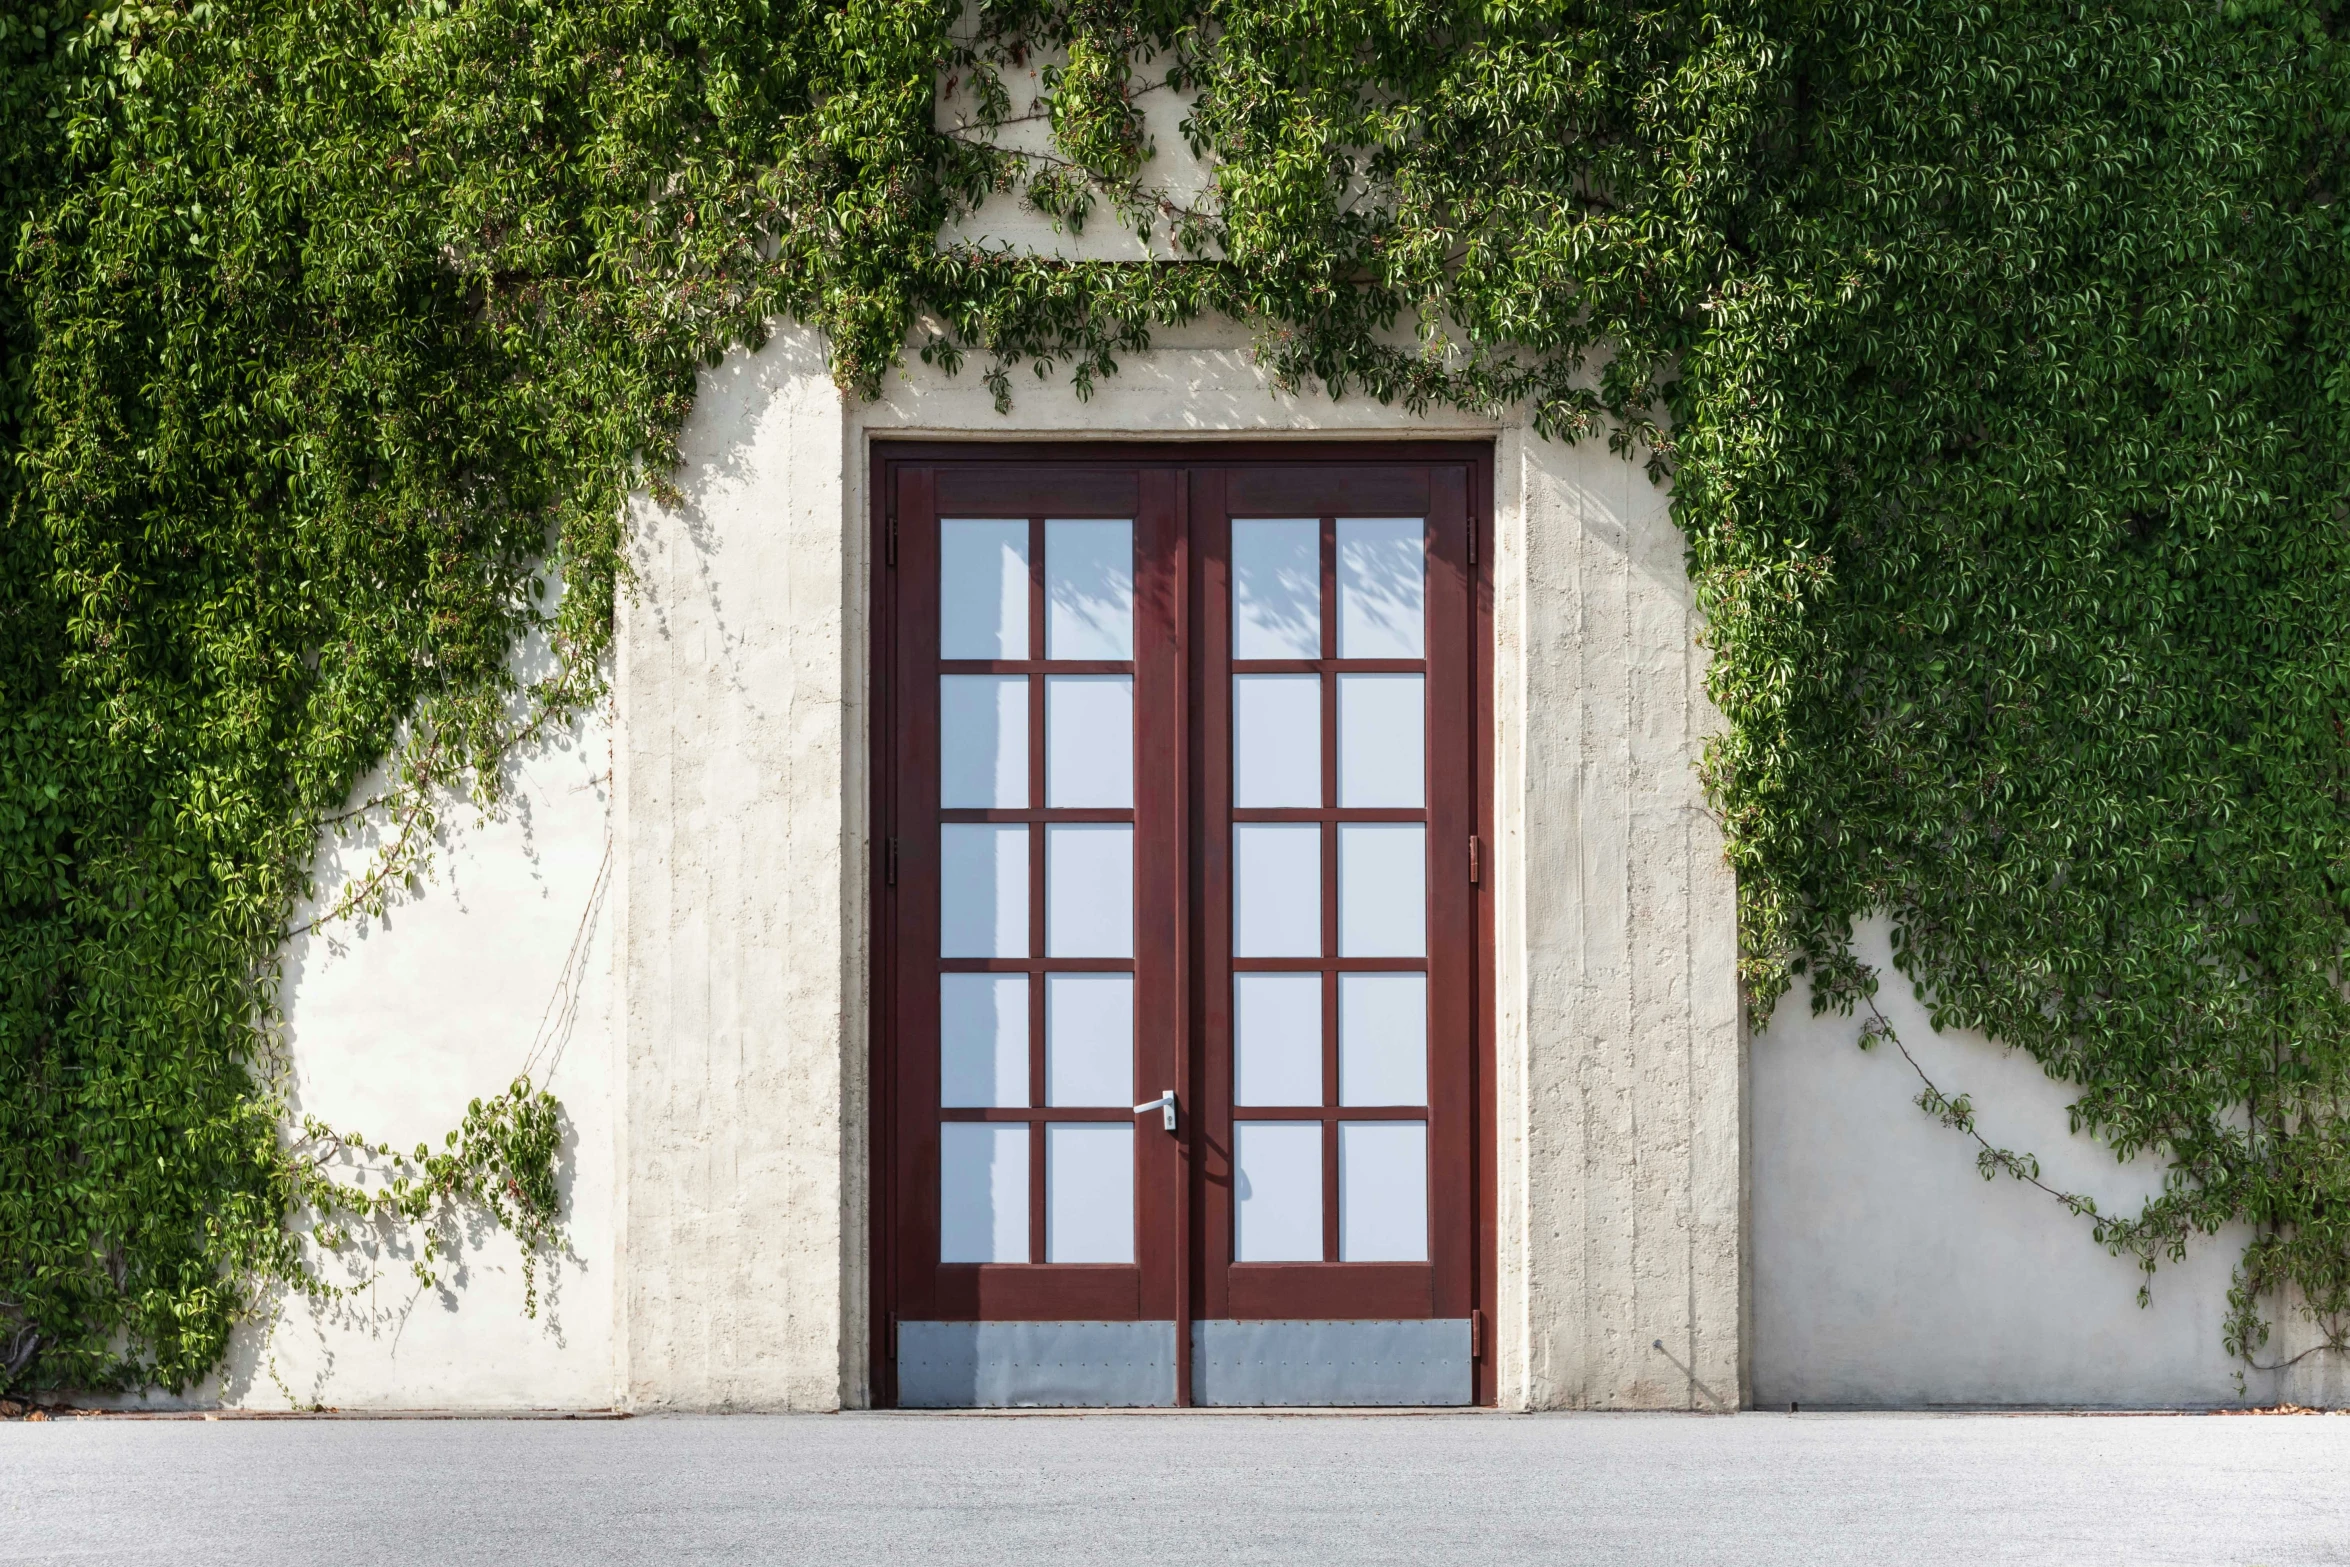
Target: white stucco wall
(499, 962)
(1888, 1273)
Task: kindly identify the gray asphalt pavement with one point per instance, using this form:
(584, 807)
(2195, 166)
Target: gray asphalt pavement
(1625, 1490)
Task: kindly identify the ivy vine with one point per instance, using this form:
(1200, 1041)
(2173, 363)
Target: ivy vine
(1998, 353)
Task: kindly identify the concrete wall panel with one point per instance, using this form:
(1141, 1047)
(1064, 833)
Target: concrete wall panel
(1618, 1029)
(741, 780)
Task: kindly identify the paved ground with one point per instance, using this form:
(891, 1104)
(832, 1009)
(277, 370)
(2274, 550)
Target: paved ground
(1168, 1491)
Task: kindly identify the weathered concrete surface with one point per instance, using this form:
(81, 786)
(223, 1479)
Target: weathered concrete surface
(1616, 963)
(1887, 1273)
(1612, 1491)
(741, 821)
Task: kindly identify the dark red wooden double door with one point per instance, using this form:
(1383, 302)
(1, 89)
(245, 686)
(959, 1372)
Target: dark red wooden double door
(1180, 1073)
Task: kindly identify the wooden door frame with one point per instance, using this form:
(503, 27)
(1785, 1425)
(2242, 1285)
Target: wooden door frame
(885, 457)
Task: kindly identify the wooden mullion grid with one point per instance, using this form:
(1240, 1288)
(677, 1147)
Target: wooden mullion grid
(1038, 666)
(1307, 813)
(1307, 666)
(1038, 1113)
(1327, 683)
(1246, 1113)
(1037, 610)
(1317, 965)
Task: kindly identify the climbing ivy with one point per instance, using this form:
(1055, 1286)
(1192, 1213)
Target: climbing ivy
(1995, 352)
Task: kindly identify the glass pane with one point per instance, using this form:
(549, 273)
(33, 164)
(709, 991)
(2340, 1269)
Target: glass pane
(982, 1192)
(1382, 1039)
(1276, 740)
(1277, 1039)
(1382, 890)
(982, 890)
(1089, 589)
(982, 1041)
(983, 588)
(1277, 1191)
(1277, 589)
(1089, 890)
(1382, 587)
(1088, 1192)
(983, 742)
(1382, 1191)
(1277, 890)
(1089, 741)
(1381, 740)
(1089, 1039)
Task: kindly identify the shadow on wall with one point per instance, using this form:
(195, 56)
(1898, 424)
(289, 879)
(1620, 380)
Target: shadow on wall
(1888, 1273)
(496, 963)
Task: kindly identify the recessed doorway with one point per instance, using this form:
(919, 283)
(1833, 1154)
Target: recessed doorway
(1183, 1058)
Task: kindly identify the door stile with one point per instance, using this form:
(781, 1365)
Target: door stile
(1159, 902)
(1484, 1125)
(1178, 774)
(882, 1220)
(1211, 535)
(915, 988)
(1451, 822)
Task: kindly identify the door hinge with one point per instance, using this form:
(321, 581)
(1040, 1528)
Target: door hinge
(890, 863)
(1476, 866)
(1477, 1335)
(1472, 542)
(889, 543)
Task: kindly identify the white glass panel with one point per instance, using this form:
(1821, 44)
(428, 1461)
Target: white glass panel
(983, 742)
(982, 1040)
(1382, 1191)
(983, 588)
(1382, 890)
(1089, 890)
(1277, 890)
(1382, 1039)
(1089, 741)
(1088, 1192)
(1382, 747)
(982, 1192)
(1277, 1191)
(1276, 740)
(1089, 1039)
(1382, 587)
(1277, 589)
(1089, 589)
(982, 890)
(1277, 1039)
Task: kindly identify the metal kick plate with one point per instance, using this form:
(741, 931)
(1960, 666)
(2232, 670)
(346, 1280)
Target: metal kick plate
(1036, 1365)
(1332, 1363)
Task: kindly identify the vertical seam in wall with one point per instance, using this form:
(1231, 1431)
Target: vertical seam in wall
(1627, 1335)
(856, 1087)
(1697, 1140)
(624, 630)
(1514, 1223)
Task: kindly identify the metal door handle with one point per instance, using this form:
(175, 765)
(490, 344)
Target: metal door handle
(1165, 1102)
